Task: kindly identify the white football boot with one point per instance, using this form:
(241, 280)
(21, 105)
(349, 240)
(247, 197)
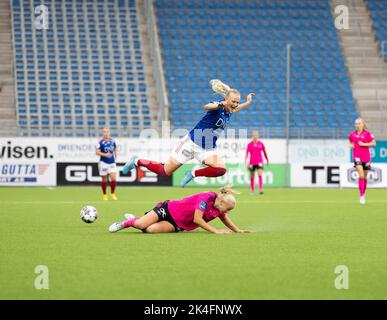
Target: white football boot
(116, 226)
(129, 216)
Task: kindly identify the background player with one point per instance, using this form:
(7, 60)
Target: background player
(254, 161)
(200, 143)
(360, 140)
(186, 214)
(107, 150)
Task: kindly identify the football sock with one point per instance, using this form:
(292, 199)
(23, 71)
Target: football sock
(260, 183)
(103, 186)
(252, 184)
(153, 166)
(113, 185)
(129, 223)
(361, 187)
(210, 172)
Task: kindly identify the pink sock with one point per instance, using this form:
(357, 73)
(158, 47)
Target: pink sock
(361, 187)
(129, 223)
(365, 185)
(260, 183)
(252, 184)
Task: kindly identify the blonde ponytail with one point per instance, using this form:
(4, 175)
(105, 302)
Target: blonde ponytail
(365, 126)
(221, 88)
(227, 194)
(228, 190)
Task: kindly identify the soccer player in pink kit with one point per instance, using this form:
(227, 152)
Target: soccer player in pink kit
(360, 140)
(254, 161)
(185, 214)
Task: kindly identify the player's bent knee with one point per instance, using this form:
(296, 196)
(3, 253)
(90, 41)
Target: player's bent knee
(167, 173)
(151, 229)
(140, 225)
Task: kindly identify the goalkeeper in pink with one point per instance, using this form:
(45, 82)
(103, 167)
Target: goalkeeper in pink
(186, 214)
(360, 141)
(254, 161)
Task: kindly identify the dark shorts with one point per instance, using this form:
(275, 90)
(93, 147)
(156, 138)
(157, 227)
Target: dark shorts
(163, 213)
(256, 167)
(365, 165)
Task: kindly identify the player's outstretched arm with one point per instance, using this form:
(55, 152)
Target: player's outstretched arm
(198, 220)
(249, 99)
(229, 224)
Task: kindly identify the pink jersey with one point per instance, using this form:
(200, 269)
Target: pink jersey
(255, 150)
(183, 210)
(361, 153)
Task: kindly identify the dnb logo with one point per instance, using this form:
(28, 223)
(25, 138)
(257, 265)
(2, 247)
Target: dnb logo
(374, 176)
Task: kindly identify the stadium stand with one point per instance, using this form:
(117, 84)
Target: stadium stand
(203, 39)
(378, 11)
(8, 123)
(85, 72)
(367, 71)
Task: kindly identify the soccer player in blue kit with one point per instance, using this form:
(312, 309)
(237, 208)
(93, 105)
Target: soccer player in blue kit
(107, 150)
(200, 142)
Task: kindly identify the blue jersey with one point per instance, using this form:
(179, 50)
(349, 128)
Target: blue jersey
(107, 146)
(209, 128)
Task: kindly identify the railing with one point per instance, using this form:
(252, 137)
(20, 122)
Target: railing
(158, 70)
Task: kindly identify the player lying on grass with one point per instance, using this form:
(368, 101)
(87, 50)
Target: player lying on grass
(186, 214)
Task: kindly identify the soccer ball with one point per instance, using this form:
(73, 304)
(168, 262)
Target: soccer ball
(89, 214)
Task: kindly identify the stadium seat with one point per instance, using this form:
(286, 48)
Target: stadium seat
(201, 40)
(85, 68)
(378, 11)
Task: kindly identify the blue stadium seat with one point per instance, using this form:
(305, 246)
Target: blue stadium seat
(194, 33)
(78, 67)
(378, 10)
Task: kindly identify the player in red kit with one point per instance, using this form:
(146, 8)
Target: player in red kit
(360, 141)
(254, 161)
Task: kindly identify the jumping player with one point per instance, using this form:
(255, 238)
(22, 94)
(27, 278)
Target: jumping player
(254, 161)
(186, 214)
(360, 140)
(200, 143)
(107, 150)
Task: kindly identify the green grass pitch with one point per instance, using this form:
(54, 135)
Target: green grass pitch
(300, 237)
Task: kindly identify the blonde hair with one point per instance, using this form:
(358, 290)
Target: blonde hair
(365, 126)
(222, 88)
(227, 194)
